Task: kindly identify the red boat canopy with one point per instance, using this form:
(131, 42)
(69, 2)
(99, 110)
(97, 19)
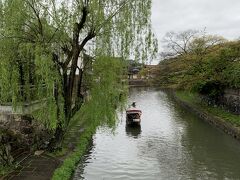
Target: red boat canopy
(131, 111)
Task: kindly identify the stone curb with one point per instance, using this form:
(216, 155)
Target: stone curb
(218, 122)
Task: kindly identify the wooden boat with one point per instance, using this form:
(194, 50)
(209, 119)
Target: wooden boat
(133, 116)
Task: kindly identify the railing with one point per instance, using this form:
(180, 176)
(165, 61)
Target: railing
(30, 99)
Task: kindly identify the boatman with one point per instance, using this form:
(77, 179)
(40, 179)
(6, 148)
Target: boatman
(134, 104)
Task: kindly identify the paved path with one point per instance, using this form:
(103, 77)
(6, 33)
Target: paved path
(35, 168)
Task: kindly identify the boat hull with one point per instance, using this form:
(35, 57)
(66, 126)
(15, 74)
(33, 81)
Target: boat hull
(133, 117)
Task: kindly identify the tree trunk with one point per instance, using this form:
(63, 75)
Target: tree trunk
(79, 96)
(67, 99)
(70, 83)
(56, 142)
(79, 82)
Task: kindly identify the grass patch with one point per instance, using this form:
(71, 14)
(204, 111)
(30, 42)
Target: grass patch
(194, 99)
(223, 114)
(59, 153)
(5, 170)
(189, 97)
(70, 163)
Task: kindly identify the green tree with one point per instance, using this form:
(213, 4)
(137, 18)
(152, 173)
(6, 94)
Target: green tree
(42, 40)
(205, 44)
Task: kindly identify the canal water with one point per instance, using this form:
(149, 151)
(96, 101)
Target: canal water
(171, 143)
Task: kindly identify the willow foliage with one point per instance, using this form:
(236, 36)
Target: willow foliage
(107, 91)
(41, 42)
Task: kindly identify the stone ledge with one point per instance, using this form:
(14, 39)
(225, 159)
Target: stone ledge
(25, 108)
(225, 126)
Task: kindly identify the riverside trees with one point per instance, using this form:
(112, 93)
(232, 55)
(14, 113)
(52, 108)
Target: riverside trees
(42, 40)
(209, 64)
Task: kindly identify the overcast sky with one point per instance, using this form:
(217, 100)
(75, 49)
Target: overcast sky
(221, 17)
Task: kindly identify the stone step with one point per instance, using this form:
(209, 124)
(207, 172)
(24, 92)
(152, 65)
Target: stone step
(22, 157)
(16, 153)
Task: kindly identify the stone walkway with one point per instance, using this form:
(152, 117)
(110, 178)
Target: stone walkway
(33, 167)
(42, 167)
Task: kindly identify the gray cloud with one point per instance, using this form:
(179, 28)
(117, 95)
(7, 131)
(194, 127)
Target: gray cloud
(221, 17)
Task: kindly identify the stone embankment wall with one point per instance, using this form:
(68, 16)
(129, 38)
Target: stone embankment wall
(140, 83)
(211, 119)
(231, 100)
(136, 82)
(20, 132)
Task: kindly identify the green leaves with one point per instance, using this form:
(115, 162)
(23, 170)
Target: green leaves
(32, 33)
(105, 92)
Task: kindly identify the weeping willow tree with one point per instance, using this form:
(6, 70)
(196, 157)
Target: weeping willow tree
(108, 90)
(42, 42)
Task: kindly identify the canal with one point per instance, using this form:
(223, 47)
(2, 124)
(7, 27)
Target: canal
(171, 143)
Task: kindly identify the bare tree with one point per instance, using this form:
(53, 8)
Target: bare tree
(189, 42)
(177, 43)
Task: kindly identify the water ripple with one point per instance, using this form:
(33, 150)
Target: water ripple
(170, 144)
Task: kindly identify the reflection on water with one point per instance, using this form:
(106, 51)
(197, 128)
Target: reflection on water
(133, 131)
(171, 143)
